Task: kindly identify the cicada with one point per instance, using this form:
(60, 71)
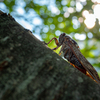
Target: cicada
(72, 53)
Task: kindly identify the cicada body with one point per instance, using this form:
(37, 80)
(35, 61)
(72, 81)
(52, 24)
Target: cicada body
(72, 53)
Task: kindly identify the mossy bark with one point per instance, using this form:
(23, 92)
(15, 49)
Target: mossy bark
(29, 70)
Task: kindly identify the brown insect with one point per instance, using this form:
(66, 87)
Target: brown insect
(72, 53)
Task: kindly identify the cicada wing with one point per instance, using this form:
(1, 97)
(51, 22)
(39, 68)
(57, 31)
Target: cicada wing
(89, 68)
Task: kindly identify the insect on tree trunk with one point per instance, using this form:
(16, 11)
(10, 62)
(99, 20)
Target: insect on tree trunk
(72, 53)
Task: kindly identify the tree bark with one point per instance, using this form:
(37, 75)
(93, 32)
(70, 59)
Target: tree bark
(29, 70)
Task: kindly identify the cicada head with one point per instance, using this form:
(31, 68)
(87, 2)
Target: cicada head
(61, 38)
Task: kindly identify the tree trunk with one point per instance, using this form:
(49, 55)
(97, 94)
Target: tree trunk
(29, 70)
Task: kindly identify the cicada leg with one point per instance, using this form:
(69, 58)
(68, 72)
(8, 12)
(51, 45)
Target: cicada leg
(57, 43)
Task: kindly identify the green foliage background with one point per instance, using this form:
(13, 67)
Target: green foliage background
(53, 24)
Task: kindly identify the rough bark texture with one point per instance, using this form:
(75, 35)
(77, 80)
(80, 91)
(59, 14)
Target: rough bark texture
(29, 70)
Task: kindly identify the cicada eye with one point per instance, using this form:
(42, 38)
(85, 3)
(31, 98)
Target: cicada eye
(63, 34)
